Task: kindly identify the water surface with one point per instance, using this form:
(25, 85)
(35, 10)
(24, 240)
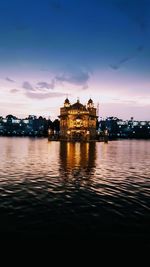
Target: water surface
(92, 190)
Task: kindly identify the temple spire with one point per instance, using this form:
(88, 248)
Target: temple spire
(67, 103)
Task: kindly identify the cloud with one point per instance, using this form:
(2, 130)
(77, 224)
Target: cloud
(26, 85)
(116, 66)
(39, 86)
(41, 96)
(45, 85)
(85, 87)
(121, 62)
(14, 91)
(125, 59)
(77, 77)
(9, 80)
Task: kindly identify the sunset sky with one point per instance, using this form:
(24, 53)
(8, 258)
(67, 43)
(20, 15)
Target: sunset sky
(81, 48)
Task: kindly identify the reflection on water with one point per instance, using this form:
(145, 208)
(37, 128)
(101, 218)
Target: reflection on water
(77, 165)
(74, 189)
(77, 157)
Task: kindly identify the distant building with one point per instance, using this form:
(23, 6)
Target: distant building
(78, 121)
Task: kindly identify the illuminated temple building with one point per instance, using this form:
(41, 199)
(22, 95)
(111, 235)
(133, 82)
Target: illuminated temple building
(77, 121)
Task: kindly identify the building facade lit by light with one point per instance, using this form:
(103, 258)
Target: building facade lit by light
(78, 121)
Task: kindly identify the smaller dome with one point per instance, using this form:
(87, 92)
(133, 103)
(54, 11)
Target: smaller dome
(78, 106)
(90, 101)
(67, 101)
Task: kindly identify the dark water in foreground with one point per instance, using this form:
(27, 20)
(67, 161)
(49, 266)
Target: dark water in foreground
(89, 190)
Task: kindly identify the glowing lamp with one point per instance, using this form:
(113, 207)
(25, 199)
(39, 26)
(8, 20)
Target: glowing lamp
(106, 132)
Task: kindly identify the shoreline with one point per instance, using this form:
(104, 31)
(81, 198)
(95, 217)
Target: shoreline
(71, 141)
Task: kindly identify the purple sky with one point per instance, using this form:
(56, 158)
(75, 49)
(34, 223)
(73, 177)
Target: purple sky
(96, 48)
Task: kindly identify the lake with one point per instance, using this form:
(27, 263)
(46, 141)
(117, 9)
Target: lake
(74, 190)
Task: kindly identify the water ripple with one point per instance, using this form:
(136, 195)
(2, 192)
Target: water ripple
(44, 185)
